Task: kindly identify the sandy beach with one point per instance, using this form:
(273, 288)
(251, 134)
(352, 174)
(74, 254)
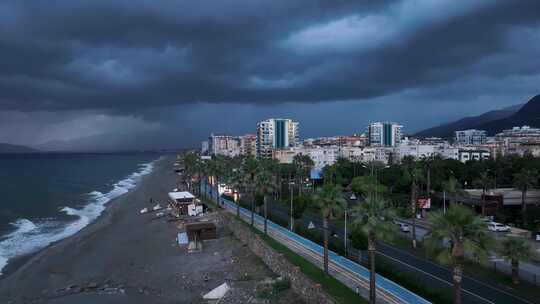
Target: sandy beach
(125, 257)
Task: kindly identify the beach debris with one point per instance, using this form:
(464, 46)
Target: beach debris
(107, 287)
(217, 293)
(144, 210)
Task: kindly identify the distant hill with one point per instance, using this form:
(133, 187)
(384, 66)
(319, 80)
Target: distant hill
(473, 122)
(528, 115)
(8, 148)
(111, 142)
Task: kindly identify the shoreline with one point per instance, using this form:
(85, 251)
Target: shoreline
(17, 263)
(127, 257)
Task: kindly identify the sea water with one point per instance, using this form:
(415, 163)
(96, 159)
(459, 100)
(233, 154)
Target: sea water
(47, 197)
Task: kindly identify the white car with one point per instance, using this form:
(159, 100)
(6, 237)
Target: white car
(404, 227)
(498, 227)
(353, 197)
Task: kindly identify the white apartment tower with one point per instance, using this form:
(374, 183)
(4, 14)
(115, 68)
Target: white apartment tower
(276, 133)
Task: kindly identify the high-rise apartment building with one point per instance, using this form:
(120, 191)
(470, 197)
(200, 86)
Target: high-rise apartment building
(387, 134)
(276, 133)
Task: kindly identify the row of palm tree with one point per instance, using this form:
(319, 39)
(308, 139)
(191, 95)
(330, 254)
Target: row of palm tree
(243, 174)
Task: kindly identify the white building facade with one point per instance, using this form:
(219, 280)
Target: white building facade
(224, 145)
(470, 137)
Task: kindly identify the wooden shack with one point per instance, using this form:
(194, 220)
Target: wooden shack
(181, 200)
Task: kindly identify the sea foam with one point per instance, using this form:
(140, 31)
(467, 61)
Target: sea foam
(29, 237)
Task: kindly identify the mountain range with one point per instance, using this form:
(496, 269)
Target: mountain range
(8, 148)
(492, 122)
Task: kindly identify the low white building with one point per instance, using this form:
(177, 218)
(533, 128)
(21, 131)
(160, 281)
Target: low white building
(420, 150)
(321, 156)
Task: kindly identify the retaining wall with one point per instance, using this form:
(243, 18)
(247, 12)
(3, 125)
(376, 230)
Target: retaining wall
(310, 291)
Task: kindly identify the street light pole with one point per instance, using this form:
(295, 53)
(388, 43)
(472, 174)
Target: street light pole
(291, 211)
(444, 201)
(345, 235)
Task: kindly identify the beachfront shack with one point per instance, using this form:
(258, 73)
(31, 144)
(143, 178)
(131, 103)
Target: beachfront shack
(181, 201)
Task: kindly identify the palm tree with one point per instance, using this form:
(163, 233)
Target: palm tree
(453, 188)
(236, 180)
(217, 168)
(204, 168)
(250, 167)
(367, 185)
(303, 165)
(330, 174)
(329, 200)
(374, 218)
(190, 167)
(199, 165)
(427, 162)
(453, 233)
(525, 179)
(485, 181)
(413, 174)
(265, 186)
(514, 250)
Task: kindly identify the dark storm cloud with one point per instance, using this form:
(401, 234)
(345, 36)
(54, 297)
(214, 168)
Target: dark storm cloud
(125, 56)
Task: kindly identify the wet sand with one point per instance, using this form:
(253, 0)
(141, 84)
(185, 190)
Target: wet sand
(125, 257)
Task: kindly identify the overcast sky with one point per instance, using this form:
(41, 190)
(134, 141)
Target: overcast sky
(158, 73)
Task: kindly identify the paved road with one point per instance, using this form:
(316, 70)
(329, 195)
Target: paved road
(529, 272)
(474, 291)
(435, 275)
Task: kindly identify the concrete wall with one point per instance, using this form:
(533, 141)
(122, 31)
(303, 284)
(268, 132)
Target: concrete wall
(310, 291)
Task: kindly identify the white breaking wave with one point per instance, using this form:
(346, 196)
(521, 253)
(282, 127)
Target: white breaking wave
(29, 237)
